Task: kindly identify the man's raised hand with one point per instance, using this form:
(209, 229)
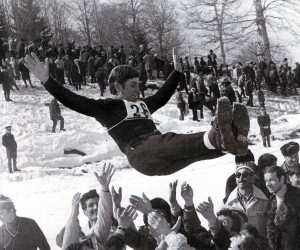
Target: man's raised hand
(39, 69)
(206, 209)
(141, 204)
(105, 176)
(172, 195)
(75, 206)
(117, 197)
(126, 218)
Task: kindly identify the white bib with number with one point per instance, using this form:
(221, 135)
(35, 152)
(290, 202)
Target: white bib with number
(137, 110)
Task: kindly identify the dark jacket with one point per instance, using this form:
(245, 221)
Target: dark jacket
(54, 109)
(8, 141)
(264, 124)
(283, 226)
(193, 100)
(29, 237)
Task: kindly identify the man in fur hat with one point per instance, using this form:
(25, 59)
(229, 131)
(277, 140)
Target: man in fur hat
(290, 151)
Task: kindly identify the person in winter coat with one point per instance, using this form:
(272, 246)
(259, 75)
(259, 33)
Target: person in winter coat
(19, 233)
(25, 73)
(128, 112)
(6, 81)
(273, 78)
(283, 79)
(264, 123)
(193, 101)
(261, 98)
(249, 92)
(91, 68)
(249, 198)
(100, 76)
(9, 142)
(55, 115)
(228, 91)
(180, 104)
(69, 68)
(283, 224)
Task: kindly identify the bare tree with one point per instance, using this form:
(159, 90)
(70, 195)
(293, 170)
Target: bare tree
(216, 20)
(163, 25)
(83, 13)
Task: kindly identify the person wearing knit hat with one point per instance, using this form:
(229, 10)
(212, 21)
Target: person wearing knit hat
(19, 233)
(248, 197)
(9, 142)
(290, 152)
(231, 182)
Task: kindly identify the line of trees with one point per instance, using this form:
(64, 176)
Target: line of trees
(227, 26)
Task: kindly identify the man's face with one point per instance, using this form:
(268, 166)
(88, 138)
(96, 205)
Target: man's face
(6, 215)
(91, 210)
(8, 130)
(131, 90)
(244, 178)
(295, 179)
(293, 159)
(273, 184)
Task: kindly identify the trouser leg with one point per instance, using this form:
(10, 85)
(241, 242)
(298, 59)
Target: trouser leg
(9, 164)
(264, 141)
(62, 123)
(54, 125)
(268, 141)
(195, 115)
(14, 159)
(165, 154)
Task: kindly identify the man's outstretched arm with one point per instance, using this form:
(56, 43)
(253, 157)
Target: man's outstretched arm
(81, 104)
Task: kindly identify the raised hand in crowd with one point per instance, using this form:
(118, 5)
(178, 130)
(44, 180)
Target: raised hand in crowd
(160, 225)
(187, 194)
(105, 176)
(117, 197)
(141, 204)
(126, 218)
(206, 209)
(39, 69)
(175, 207)
(75, 206)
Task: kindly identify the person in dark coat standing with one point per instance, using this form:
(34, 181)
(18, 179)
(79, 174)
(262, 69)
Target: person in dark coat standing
(261, 98)
(283, 225)
(25, 73)
(249, 92)
(228, 91)
(264, 123)
(193, 101)
(55, 115)
(6, 81)
(8, 141)
(19, 233)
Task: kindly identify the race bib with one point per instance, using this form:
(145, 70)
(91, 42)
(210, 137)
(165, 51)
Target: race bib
(137, 110)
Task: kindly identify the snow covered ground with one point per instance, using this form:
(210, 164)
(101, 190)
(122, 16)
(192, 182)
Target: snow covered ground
(44, 189)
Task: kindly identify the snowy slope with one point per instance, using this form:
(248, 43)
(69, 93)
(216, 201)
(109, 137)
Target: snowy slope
(44, 189)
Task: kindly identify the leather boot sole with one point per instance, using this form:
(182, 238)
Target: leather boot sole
(241, 123)
(224, 118)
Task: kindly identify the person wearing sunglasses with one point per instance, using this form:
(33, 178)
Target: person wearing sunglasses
(248, 197)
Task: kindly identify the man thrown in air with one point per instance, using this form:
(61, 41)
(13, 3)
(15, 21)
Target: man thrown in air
(129, 122)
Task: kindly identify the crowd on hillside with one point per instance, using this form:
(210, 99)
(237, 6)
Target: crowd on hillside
(262, 201)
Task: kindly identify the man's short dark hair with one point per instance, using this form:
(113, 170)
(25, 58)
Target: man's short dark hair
(121, 74)
(266, 160)
(237, 217)
(89, 195)
(275, 169)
